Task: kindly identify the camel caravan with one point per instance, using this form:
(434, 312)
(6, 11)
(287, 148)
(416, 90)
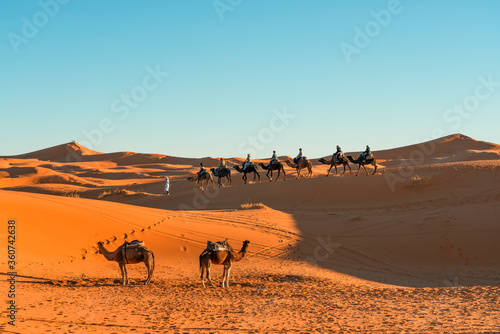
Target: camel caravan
(203, 179)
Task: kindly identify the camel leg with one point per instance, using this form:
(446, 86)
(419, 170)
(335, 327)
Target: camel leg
(224, 271)
(124, 274)
(375, 170)
(202, 270)
(209, 265)
(270, 178)
(227, 270)
(148, 267)
(329, 169)
(202, 274)
(150, 264)
(365, 169)
(359, 168)
(336, 172)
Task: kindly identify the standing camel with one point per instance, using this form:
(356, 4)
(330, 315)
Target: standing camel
(275, 166)
(130, 253)
(371, 161)
(251, 168)
(223, 172)
(199, 180)
(334, 163)
(301, 164)
(224, 257)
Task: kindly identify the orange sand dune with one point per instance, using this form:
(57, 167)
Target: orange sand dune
(413, 248)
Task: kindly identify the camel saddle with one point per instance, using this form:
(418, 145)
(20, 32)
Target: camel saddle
(300, 159)
(219, 246)
(133, 244)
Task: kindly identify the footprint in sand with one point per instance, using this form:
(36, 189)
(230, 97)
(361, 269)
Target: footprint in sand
(83, 253)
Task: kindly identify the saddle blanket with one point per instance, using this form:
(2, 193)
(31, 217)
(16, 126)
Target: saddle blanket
(134, 244)
(219, 246)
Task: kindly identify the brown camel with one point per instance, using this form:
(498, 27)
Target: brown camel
(334, 163)
(371, 161)
(251, 168)
(226, 258)
(199, 180)
(135, 252)
(275, 166)
(223, 172)
(302, 163)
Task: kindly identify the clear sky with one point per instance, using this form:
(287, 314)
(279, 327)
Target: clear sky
(228, 77)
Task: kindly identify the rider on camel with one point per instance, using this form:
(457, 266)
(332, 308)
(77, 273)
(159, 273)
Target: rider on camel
(298, 157)
(338, 155)
(365, 154)
(247, 162)
(274, 159)
(222, 166)
(202, 170)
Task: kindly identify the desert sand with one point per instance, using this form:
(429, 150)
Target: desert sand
(414, 248)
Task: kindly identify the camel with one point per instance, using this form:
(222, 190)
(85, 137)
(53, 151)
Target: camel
(199, 180)
(135, 252)
(275, 166)
(223, 172)
(249, 169)
(371, 161)
(226, 258)
(302, 163)
(334, 163)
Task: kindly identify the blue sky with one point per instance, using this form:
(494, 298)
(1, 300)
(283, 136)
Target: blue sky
(234, 65)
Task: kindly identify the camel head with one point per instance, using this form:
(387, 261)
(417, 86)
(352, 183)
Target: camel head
(191, 179)
(100, 246)
(245, 245)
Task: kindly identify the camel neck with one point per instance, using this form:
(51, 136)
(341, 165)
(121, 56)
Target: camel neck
(107, 254)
